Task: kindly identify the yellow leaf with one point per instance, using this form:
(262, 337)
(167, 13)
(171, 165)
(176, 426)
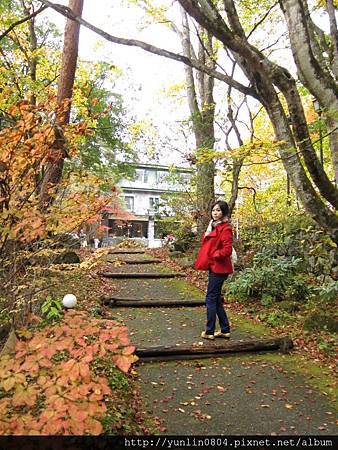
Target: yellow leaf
(93, 426)
(8, 384)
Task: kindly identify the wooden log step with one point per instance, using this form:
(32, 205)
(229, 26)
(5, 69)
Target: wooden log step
(125, 252)
(137, 261)
(140, 275)
(212, 348)
(134, 302)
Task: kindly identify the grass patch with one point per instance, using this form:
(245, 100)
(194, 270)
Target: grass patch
(122, 415)
(183, 286)
(250, 326)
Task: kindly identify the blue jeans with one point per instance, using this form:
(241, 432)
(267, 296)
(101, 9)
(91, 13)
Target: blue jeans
(214, 303)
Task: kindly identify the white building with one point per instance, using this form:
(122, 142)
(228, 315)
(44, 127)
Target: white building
(142, 197)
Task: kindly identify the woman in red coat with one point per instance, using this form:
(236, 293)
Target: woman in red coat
(215, 256)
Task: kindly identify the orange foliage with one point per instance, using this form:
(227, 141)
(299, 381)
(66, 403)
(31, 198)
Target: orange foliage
(26, 148)
(63, 395)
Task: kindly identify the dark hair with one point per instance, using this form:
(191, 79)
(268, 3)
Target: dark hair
(224, 207)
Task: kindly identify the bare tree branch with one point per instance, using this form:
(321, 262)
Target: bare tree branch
(254, 28)
(152, 49)
(23, 20)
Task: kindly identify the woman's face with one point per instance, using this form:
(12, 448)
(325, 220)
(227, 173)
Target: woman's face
(216, 213)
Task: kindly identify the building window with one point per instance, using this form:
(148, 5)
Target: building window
(186, 178)
(129, 201)
(154, 202)
(160, 176)
(139, 175)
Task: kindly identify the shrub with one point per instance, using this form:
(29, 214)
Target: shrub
(275, 318)
(270, 279)
(52, 309)
(327, 292)
(297, 236)
(320, 321)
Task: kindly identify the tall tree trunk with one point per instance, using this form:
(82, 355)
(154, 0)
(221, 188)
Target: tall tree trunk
(331, 10)
(261, 72)
(265, 76)
(317, 78)
(332, 124)
(202, 109)
(236, 162)
(54, 168)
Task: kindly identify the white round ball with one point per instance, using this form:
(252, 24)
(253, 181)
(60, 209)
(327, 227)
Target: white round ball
(69, 301)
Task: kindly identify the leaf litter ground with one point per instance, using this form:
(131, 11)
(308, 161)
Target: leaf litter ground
(69, 376)
(242, 394)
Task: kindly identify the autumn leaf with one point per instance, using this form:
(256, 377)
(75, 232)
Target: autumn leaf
(87, 358)
(24, 396)
(112, 347)
(64, 344)
(68, 365)
(96, 395)
(45, 363)
(105, 389)
(84, 389)
(34, 432)
(75, 427)
(84, 372)
(41, 380)
(46, 415)
(30, 366)
(75, 372)
(8, 384)
(103, 350)
(50, 391)
(52, 427)
(62, 381)
(48, 352)
(123, 362)
(79, 416)
(3, 406)
(26, 333)
(59, 404)
(128, 350)
(73, 394)
(93, 427)
(93, 408)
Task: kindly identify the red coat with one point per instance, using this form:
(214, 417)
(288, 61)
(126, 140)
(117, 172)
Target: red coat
(216, 249)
